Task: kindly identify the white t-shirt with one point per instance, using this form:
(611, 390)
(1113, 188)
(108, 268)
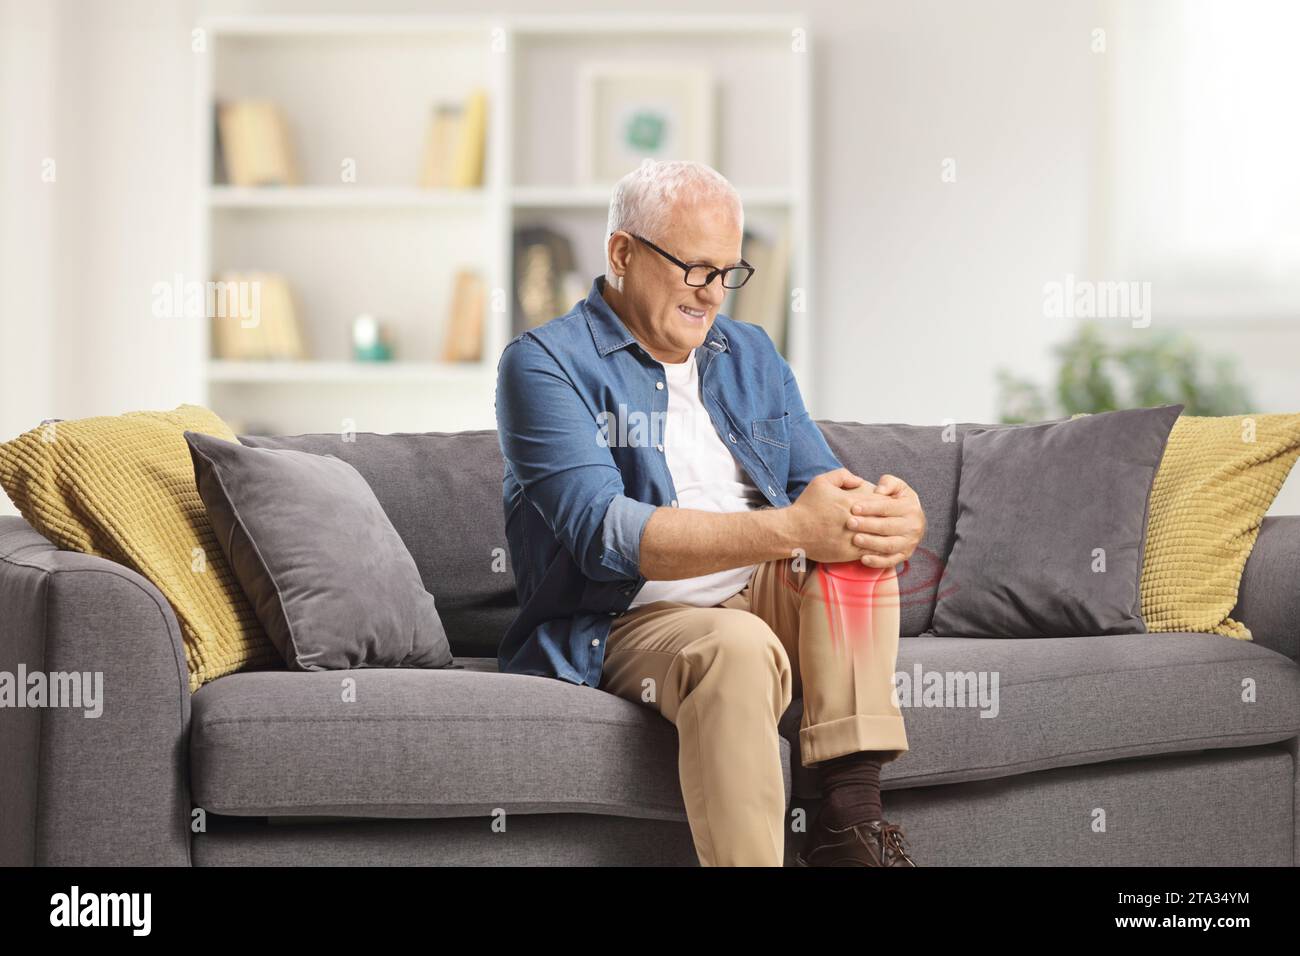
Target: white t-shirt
(707, 478)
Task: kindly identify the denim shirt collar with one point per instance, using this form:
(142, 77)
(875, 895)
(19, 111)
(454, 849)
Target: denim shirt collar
(609, 332)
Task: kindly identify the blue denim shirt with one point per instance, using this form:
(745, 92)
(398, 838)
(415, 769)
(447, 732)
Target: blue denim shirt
(580, 410)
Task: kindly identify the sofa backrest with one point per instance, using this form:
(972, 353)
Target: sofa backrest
(442, 491)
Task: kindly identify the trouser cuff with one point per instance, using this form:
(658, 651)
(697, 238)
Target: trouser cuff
(834, 738)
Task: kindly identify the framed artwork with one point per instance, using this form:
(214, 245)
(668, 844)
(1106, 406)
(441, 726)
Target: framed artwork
(630, 112)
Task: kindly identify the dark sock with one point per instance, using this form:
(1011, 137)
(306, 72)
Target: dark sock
(851, 785)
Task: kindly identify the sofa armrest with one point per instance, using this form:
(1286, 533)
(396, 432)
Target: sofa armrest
(1268, 600)
(86, 790)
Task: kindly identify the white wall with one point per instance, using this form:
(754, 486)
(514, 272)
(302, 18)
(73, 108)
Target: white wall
(27, 215)
(126, 205)
(105, 91)
(925, 285)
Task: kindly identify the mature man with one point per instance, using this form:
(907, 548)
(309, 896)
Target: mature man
(683, 536)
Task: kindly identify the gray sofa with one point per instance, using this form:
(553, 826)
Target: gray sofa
(1119, 750)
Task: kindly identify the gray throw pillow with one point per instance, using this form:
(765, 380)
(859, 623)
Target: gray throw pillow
(1051, 527)
(325, 570)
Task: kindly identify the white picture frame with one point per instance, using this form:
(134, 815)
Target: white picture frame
(628, 112)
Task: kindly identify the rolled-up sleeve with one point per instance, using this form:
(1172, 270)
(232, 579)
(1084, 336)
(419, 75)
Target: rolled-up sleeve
(551, 442)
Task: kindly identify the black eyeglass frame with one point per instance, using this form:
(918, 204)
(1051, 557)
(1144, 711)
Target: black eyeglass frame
(713, 273)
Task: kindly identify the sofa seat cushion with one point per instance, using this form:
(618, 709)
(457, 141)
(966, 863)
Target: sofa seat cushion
(1079, 700)
(429, 743)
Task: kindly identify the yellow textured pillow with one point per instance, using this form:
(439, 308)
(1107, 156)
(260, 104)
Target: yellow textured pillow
(122, 487)
(1217, 479)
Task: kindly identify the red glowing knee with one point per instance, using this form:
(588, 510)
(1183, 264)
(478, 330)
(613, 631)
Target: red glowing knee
(849, 592)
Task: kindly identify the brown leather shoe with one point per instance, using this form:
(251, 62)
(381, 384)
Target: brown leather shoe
(877, 843)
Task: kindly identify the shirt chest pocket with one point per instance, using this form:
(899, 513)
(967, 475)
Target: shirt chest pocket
(771, 439)
(773, 431)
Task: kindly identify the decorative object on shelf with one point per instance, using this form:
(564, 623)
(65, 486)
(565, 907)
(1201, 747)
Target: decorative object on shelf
(763, 300)
(543, 261)
(628, 113)
(463, 341)
(254, 317)
(456, 144)
(219, 172)
(1096, 375)
(255, 145)
(370, 340)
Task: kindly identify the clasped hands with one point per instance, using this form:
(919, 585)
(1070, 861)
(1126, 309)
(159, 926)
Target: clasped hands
(841, 516)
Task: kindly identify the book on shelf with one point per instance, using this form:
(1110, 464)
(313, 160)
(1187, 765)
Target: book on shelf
(762, 300)
(254, 318)
(440, 149)
(456, 144)
(463, 341)
(468, 170)
(255, 145)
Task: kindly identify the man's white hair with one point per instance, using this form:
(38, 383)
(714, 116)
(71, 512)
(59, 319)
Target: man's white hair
(644, 200)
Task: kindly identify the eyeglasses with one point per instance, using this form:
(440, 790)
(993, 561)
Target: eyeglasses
(698, 276)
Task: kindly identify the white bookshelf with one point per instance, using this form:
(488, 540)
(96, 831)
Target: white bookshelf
(344, 197)
(361, 88)
(340, 372)
(589, 197)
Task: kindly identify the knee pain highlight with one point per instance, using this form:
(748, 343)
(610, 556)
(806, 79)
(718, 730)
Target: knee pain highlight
(851, 592)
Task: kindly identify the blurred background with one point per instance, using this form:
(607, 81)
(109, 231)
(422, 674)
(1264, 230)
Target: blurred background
(332, 215)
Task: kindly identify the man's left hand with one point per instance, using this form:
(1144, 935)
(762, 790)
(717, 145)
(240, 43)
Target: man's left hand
(889, 520)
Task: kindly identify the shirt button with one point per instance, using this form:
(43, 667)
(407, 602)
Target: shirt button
(732, 437)
(660, 447)
(659, 385)
(595, 642)
(771, 491)
(674, 502)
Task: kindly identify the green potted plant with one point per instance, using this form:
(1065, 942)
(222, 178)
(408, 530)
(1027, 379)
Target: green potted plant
(1096, 375)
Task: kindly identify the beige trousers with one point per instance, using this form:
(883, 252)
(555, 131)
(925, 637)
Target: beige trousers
(724, 675)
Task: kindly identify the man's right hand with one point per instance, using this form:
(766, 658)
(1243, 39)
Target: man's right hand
(819, 519)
